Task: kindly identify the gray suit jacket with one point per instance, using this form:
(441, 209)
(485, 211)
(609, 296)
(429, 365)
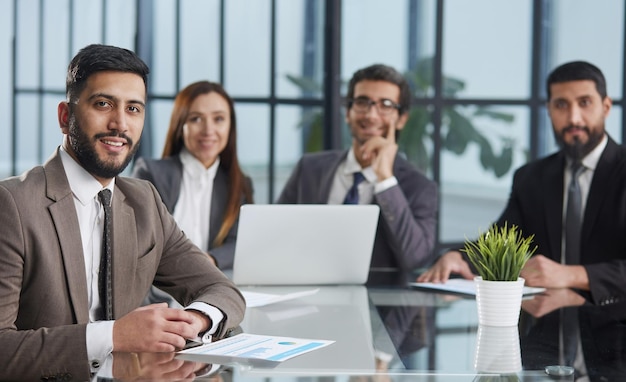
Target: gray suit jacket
(405, 236)
(43, 289)
(167, 174)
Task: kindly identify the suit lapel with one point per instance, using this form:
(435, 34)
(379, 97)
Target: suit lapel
(600, 183)
(124, 250)
(219, 199)
(553, 186)
(327, 175)
(63, 213)
(168, 175)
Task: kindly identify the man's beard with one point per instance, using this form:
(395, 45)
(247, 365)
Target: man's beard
(578, 150)
(85, 151)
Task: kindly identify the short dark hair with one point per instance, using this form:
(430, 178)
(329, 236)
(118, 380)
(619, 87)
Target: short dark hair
(380, 72)
(99, 58)
(577, 71)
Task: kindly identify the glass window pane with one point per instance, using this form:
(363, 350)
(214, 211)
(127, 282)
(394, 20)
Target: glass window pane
(582, 30)
(87, 20)
(614, 124)
(199, 41)
(298, 130)
(487, 46)
(253, 146)
(373, 32)
(55, 44)
(49, 129)
(299, 48)
(247, 61)
(163, 65)
(160, 111)
(473, 196)
(27, 44)
(121, 25)
(6, 91)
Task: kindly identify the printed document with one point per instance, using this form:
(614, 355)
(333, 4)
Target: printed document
(246, 348)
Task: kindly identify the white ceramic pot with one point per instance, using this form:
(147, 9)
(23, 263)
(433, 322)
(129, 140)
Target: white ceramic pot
(498, 302)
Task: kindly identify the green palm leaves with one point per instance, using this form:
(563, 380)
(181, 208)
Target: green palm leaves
(500, 253)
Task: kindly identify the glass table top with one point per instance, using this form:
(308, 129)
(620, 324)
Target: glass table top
(391, 334)
(385, 334)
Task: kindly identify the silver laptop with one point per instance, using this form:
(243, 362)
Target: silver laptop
(304, 244)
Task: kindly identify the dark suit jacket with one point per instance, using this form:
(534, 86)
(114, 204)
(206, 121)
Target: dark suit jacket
(167, 175)
(43, 289)
(536, 206)
(405, 236)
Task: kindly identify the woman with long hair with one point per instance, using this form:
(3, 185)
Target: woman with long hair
(198, 176)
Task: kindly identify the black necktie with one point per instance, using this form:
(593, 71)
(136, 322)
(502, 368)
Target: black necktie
(573, 217)
(104, 276)
(352, 197)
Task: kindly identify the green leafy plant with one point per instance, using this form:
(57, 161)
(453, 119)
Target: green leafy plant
(500, 253)
(461, 126)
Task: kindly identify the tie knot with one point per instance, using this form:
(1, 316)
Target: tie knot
(358, 177)
(105, 197)
(577, 169)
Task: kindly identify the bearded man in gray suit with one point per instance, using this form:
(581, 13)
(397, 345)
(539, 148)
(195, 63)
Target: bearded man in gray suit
(378, 102)
(52, 309)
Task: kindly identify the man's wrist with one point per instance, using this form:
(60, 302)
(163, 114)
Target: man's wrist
(385, 184)
(206, 322)
(215, 316)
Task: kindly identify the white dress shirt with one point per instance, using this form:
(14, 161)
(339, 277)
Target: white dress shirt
(193, 207)
(90, 213)
(344, 178)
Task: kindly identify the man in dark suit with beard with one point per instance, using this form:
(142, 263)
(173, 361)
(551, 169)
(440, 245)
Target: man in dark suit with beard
(594, 262)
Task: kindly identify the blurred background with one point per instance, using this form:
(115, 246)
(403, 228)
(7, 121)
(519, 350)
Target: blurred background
(477, 69)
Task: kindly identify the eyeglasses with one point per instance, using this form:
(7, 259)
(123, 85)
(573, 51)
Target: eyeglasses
(363, 105)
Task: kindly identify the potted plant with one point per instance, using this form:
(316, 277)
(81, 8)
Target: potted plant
(499, 255)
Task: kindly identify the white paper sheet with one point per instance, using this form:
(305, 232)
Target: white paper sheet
(256, 299)
(466, 287)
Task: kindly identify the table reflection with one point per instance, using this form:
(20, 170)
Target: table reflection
(389, 334)
(599, 349)
(162, 366)
(498, 350)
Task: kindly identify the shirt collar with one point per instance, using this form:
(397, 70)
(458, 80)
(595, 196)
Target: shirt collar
(83, 185)
(590, 161)
(353, 166)
(194, 167)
